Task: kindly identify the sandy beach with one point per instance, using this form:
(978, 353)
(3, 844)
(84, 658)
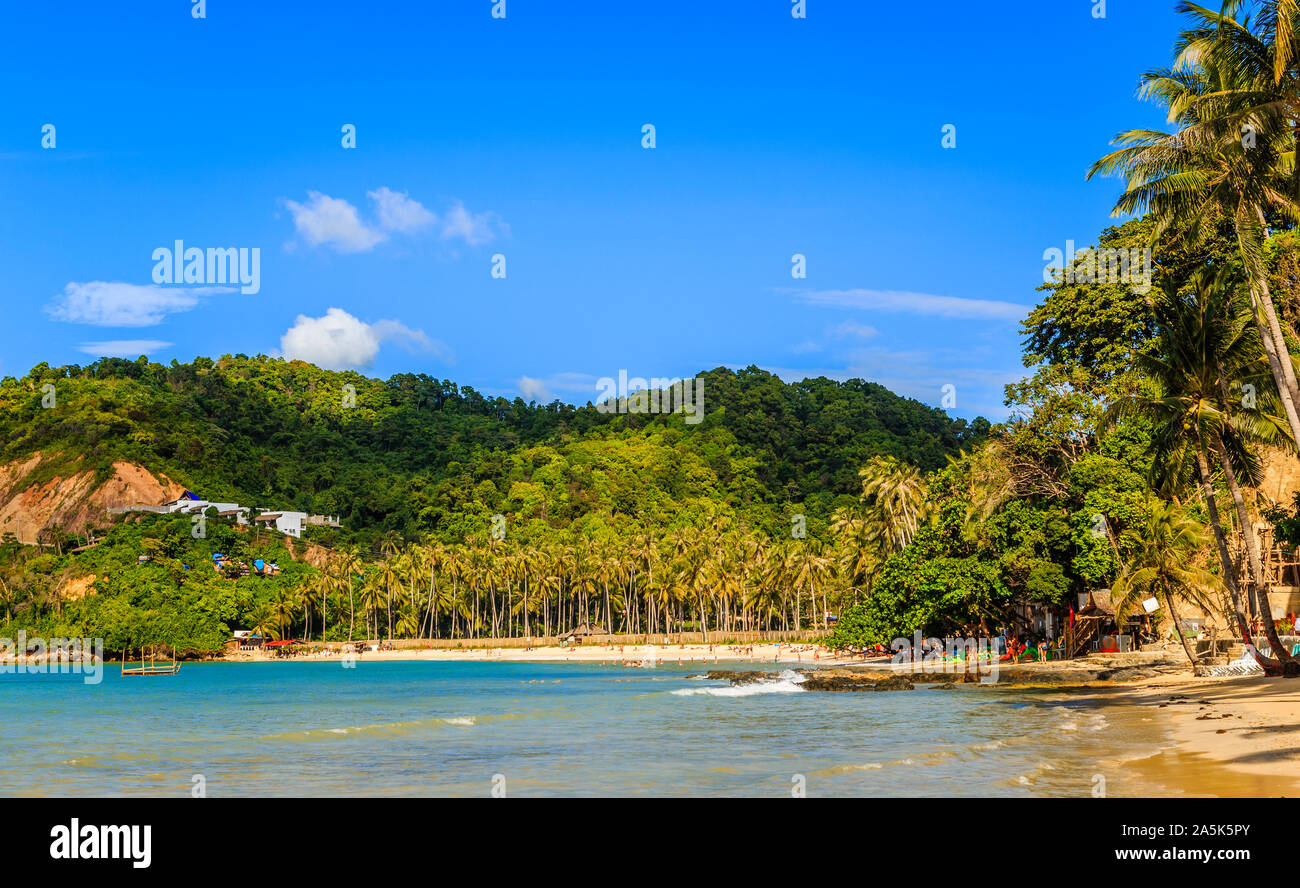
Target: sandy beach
(1248, 727)
(633, 655)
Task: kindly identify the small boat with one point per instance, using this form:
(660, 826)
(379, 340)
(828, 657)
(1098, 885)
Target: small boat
(153, 668)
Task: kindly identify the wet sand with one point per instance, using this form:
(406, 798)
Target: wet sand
(1232, 737)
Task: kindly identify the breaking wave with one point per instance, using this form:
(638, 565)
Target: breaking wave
(785, 682)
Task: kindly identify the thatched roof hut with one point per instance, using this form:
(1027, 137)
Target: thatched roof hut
(1100, 604)
(582, 630)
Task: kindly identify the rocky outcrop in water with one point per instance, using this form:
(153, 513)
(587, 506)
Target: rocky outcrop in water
(819, 681)
(1114, 668)
(831, 679)
(738, 676)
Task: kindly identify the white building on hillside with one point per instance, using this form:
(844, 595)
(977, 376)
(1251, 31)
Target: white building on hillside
(291, 523)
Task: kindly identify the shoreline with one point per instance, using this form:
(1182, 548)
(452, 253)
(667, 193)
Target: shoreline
(631, 655)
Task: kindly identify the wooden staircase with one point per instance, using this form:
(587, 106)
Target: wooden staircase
(1079, 636)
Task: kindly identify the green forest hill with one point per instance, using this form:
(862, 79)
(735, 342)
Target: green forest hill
(418, 456)
(416, 469)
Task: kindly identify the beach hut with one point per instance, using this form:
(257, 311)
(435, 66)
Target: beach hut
(244, 640)
(581, 631)
(1096, 614)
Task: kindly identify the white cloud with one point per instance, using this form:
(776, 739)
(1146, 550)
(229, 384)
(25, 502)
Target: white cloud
(123, 348)
(333, 222)
(412, 340)
(534, 390)
(473, 228)
(397, 212)
(579, 386)
(917, 303)
(339, 341)
(116, 304)
(852, 329)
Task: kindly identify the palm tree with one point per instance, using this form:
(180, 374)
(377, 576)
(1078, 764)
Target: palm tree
(644, 554)
(282, 612)
(262, 621)
(862, 548)
(811, 571)
(1163, 565)
(492, 575)
(609, 569)
(408, 621)
(1205, 340)
(390, 544)
(372, 602)
(349, 566)
(1277, 21)
(387, 576)
(337, 580)
(309, 596)
(326, 583)
(550, 586)
(765, 592)
(455, 566)
(1205, 170)
(899, 496)
(7, 599)
(433, 558)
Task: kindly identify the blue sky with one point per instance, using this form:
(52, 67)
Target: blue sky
(523, 137)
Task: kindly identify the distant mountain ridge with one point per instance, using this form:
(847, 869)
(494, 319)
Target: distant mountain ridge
(411, 453)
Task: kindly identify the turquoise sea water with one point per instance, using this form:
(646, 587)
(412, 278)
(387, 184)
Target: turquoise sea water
(555, 729)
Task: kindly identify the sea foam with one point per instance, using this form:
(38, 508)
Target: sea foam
(785, 682)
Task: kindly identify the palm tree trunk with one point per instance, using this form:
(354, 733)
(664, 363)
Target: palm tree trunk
(492, 597)
(1279, 342)
(352, 609)
(1279, 363)
(1275, 348)
(1225, 560)
(428, 610)
(1275, 332)
(1252, 557)
(1173, 615)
